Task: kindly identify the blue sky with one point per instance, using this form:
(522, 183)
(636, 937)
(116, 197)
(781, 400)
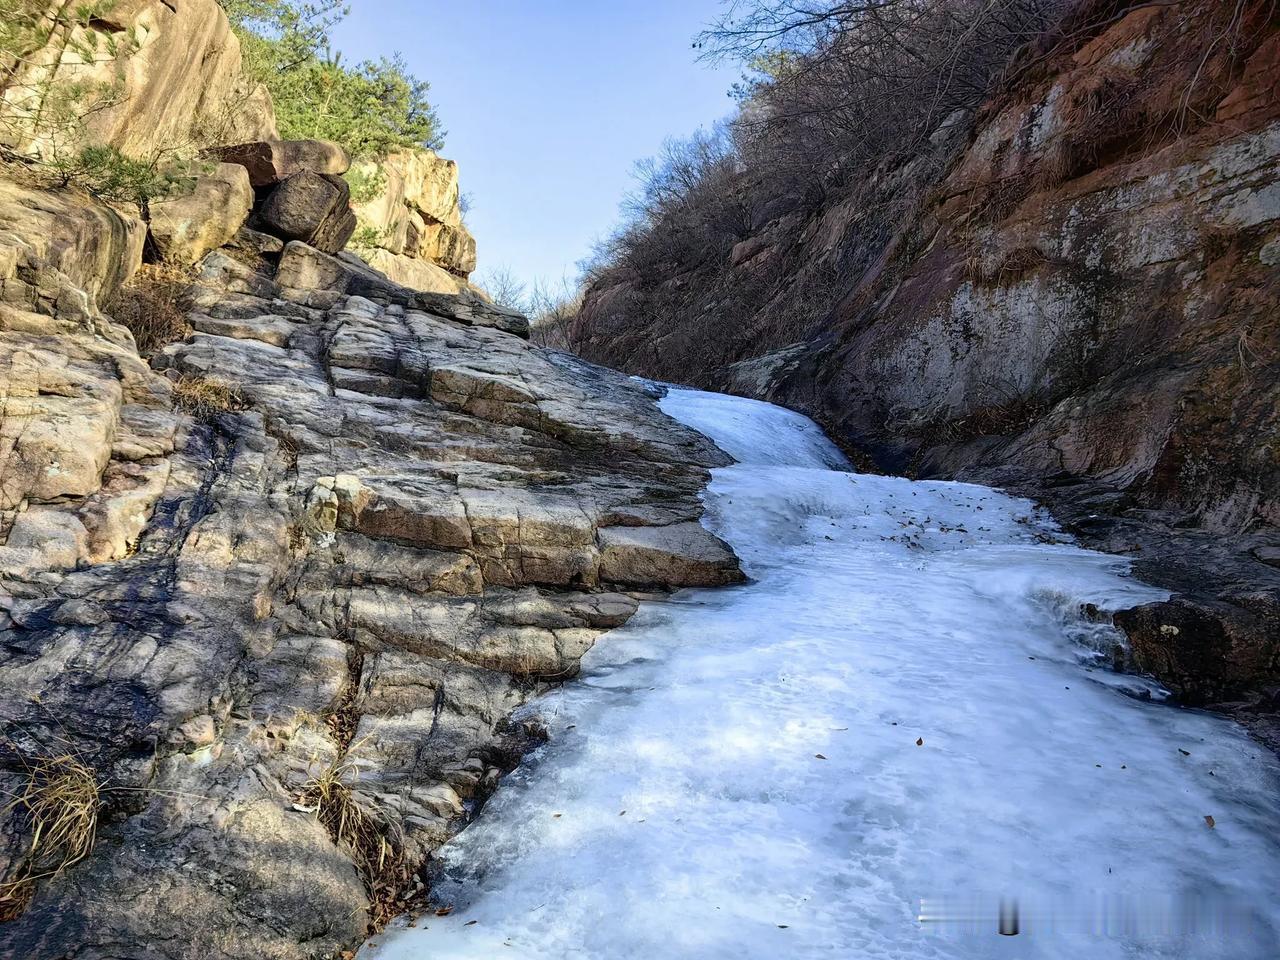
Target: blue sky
(547, 105)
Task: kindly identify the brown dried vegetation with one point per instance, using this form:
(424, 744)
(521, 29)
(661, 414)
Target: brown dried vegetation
(205, 397)
(59, 804)
(153, 305)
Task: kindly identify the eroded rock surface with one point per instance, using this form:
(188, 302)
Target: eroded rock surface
(406, 523)
(186, 227)
(270, 162)
(174, 71)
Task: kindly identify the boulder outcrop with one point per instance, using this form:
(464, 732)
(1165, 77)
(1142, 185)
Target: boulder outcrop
(280, 593)
(413, 272)
(61, 253)
(310, 207)
(186, 227)
(273, 161)
(415, 218)
(294, 188)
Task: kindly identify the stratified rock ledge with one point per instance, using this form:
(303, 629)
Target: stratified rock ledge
(392, 522)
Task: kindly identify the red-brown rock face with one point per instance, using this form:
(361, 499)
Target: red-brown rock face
(1083, 305)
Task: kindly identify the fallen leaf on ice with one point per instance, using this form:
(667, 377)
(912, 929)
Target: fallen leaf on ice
(1209, 820)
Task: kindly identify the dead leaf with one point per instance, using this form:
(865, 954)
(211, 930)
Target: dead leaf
(470, 922)
(556, 816)
(920, 742)
(444, 911)
(1209, 820)
(1185, 753)
(819, 756)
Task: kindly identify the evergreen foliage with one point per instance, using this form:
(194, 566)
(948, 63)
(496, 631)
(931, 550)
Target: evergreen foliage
(371, 108)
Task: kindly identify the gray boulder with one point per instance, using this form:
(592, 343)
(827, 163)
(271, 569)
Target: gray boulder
(310, 207)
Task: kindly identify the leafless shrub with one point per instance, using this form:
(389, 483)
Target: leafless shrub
(503, 287)
(552, 311)
(841, 86)
(687, 208)
(862, 99)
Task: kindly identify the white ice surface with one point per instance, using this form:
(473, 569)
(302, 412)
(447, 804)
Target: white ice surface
(681, 810)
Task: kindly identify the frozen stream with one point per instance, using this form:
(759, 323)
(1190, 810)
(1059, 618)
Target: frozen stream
(902, 706)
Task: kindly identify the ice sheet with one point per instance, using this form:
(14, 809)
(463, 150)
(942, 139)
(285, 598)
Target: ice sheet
(903, 706)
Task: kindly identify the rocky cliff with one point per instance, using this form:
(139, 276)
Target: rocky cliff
(1075, 296)
(153, 76)
(270, 594)
(162, 82)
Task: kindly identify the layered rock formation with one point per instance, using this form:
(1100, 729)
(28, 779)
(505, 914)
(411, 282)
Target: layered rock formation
(414, 219)
(1080, 303)
(280, 594)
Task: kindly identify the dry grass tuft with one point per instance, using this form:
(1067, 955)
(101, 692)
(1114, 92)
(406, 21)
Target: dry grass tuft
(995, 200)
(205, 397)
(153, 305)
(378, 855)
(61, 802)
